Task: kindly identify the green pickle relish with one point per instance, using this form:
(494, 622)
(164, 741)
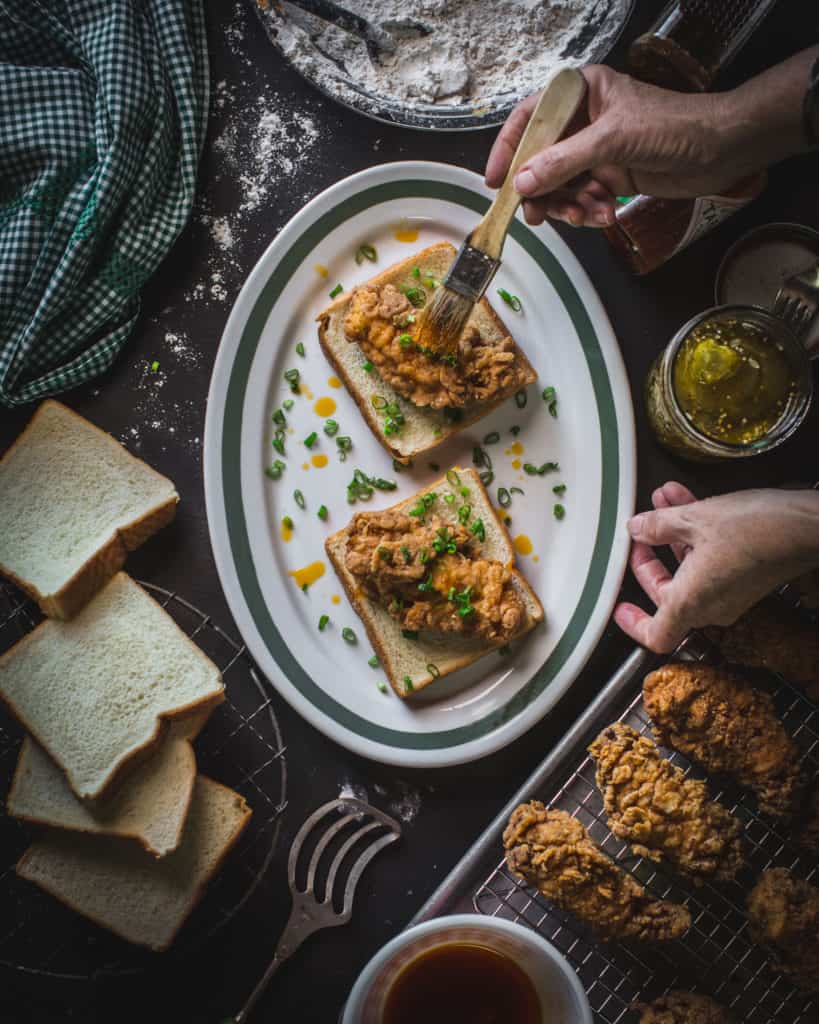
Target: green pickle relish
(732, 380)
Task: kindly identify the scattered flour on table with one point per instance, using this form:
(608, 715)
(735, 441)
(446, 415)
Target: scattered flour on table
(453, 52)
(173, 422)
(404, 805)
(351, 791)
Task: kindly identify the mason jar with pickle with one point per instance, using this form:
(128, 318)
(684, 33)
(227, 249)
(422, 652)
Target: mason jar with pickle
(733, 382)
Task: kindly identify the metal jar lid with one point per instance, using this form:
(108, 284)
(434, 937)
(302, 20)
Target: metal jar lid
(756, 265)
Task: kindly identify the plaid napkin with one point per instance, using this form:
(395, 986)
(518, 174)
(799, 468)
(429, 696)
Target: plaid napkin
(103, 110)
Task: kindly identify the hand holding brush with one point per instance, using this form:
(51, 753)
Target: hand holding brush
(444, 318)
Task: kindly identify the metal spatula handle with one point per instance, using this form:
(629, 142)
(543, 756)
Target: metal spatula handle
(309, 913)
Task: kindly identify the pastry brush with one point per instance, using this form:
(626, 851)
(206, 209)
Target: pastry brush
(444, 317)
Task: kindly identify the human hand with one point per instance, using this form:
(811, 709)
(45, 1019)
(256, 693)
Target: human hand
(631, 137)
(732, 551)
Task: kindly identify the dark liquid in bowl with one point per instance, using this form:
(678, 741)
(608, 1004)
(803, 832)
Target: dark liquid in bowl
(462, 983)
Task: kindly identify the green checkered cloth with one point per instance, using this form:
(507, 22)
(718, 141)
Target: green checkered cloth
(103, 110)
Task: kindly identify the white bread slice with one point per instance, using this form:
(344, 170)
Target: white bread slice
(425, 428)
(73, 503)
(122, 888)
(94, 691)
(150, 806)
(402, 657)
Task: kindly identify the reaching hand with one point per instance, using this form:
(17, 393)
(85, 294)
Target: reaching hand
(732, 550)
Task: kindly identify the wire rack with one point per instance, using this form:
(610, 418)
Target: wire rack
(241, 746)
(717, 955)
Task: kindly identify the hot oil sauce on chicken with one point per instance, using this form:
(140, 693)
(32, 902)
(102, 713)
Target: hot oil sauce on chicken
(383, 321)
(462, 983)
(430, 576)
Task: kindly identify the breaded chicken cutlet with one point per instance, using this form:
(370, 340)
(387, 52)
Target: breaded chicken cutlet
(662, 814)
(772, 636)
(784, 915)
(677, 1007)
(723, 723)
(553, 851)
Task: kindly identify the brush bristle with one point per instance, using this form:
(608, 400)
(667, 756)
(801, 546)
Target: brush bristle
(443, 320)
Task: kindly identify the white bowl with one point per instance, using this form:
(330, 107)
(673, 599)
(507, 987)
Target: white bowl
(562, 999)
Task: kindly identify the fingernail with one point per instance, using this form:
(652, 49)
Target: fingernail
(635, 525)
(525, 181)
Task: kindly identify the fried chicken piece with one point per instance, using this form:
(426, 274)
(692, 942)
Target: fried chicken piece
(426, 576)
(677, 1007)
(665, 816)
(774, 637)
(553, 851)
(717, 719)
(784, 915)
(378, 320)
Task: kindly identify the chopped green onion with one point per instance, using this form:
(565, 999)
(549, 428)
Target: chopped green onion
(275, 471)
(486, 477)
(336, 291)
(521, 398)
(323, 622)
(492, 438)
(434, 466)
(479, 530)
(504, 497)
(288, 404)
(510, 300)
(373, 662)
(452, 478)
(423, 555)
(344, 445)
(378, 402)
(548, 467)
(405, 340)
(349, 635)
(298, 497)
(464, 512)
(384, 554)
(405, 551)
(465, 492)
(408, 683)
(383, 485)
(311, 439)
(367, 366)
(331, 428)
(449, 499)
(292, 378)
(278, 441)
(516, 490)
(366, 252)
(322, 512)
(433, 670)
(529, 469)
(417, 296)
(287, 522)
(300, 348)
(515, 430)
(559, 511)
(416, 271)
(382, 687)
(279, 418)
(559, 490)
(550, 398)
(409, 634)
(154, 366)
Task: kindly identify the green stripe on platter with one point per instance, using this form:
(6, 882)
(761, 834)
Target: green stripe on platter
(231, 476)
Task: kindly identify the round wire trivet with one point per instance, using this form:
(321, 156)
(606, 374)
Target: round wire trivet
(241, 746)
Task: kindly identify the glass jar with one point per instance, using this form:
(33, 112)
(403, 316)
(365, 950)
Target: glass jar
(693, 40)
(674, 429)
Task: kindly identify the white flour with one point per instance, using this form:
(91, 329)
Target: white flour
(472, 54)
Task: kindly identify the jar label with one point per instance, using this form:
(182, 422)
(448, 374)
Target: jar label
(706, 213)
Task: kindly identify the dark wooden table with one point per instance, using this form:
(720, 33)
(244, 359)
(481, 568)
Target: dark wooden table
(162, 420)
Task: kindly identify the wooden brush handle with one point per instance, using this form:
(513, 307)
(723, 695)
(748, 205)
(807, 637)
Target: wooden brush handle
(558, 103)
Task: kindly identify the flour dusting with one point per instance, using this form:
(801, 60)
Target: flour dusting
(447, 52)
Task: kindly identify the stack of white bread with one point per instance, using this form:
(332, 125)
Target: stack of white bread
(109, 689)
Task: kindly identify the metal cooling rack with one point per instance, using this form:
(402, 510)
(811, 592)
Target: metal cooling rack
(241, 746)
(717, 955)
